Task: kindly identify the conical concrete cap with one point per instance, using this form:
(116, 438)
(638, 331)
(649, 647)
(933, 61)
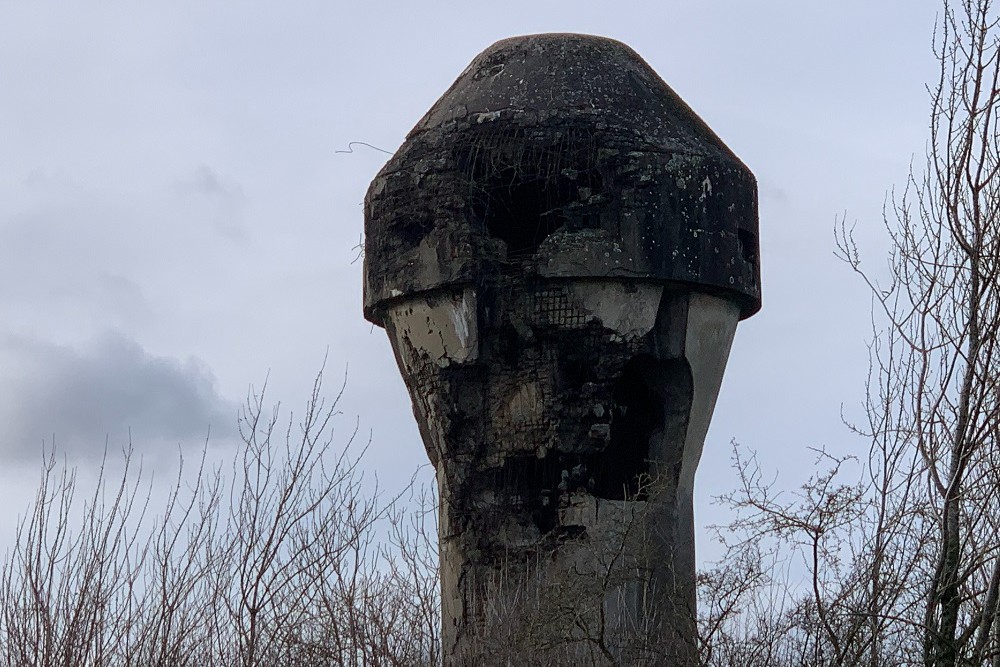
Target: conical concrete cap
(561, 156)
(594, 80)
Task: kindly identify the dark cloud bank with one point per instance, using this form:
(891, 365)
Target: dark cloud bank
(94, 396)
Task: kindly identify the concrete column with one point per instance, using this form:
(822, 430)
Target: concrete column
(560, 254)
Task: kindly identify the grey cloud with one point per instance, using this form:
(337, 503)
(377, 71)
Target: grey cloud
(224, 199)
(205, 181)
(62, 263)
(116, 293)
(769, 190)
(100, 393)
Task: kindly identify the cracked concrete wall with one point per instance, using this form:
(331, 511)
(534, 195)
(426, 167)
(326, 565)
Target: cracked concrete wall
(560, 253)
(527, 419)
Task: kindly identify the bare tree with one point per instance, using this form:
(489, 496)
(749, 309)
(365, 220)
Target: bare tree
(902, 563)
(286, 558)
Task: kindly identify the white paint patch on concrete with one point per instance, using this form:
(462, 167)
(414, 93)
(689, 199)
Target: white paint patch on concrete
(461, 318)
(711, 325)
(442, 326)
(629, 311)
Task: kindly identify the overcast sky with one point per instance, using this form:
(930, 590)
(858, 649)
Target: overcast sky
(176, 220)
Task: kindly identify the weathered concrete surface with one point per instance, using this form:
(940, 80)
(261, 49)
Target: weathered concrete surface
(560, 253)
(569, 153)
